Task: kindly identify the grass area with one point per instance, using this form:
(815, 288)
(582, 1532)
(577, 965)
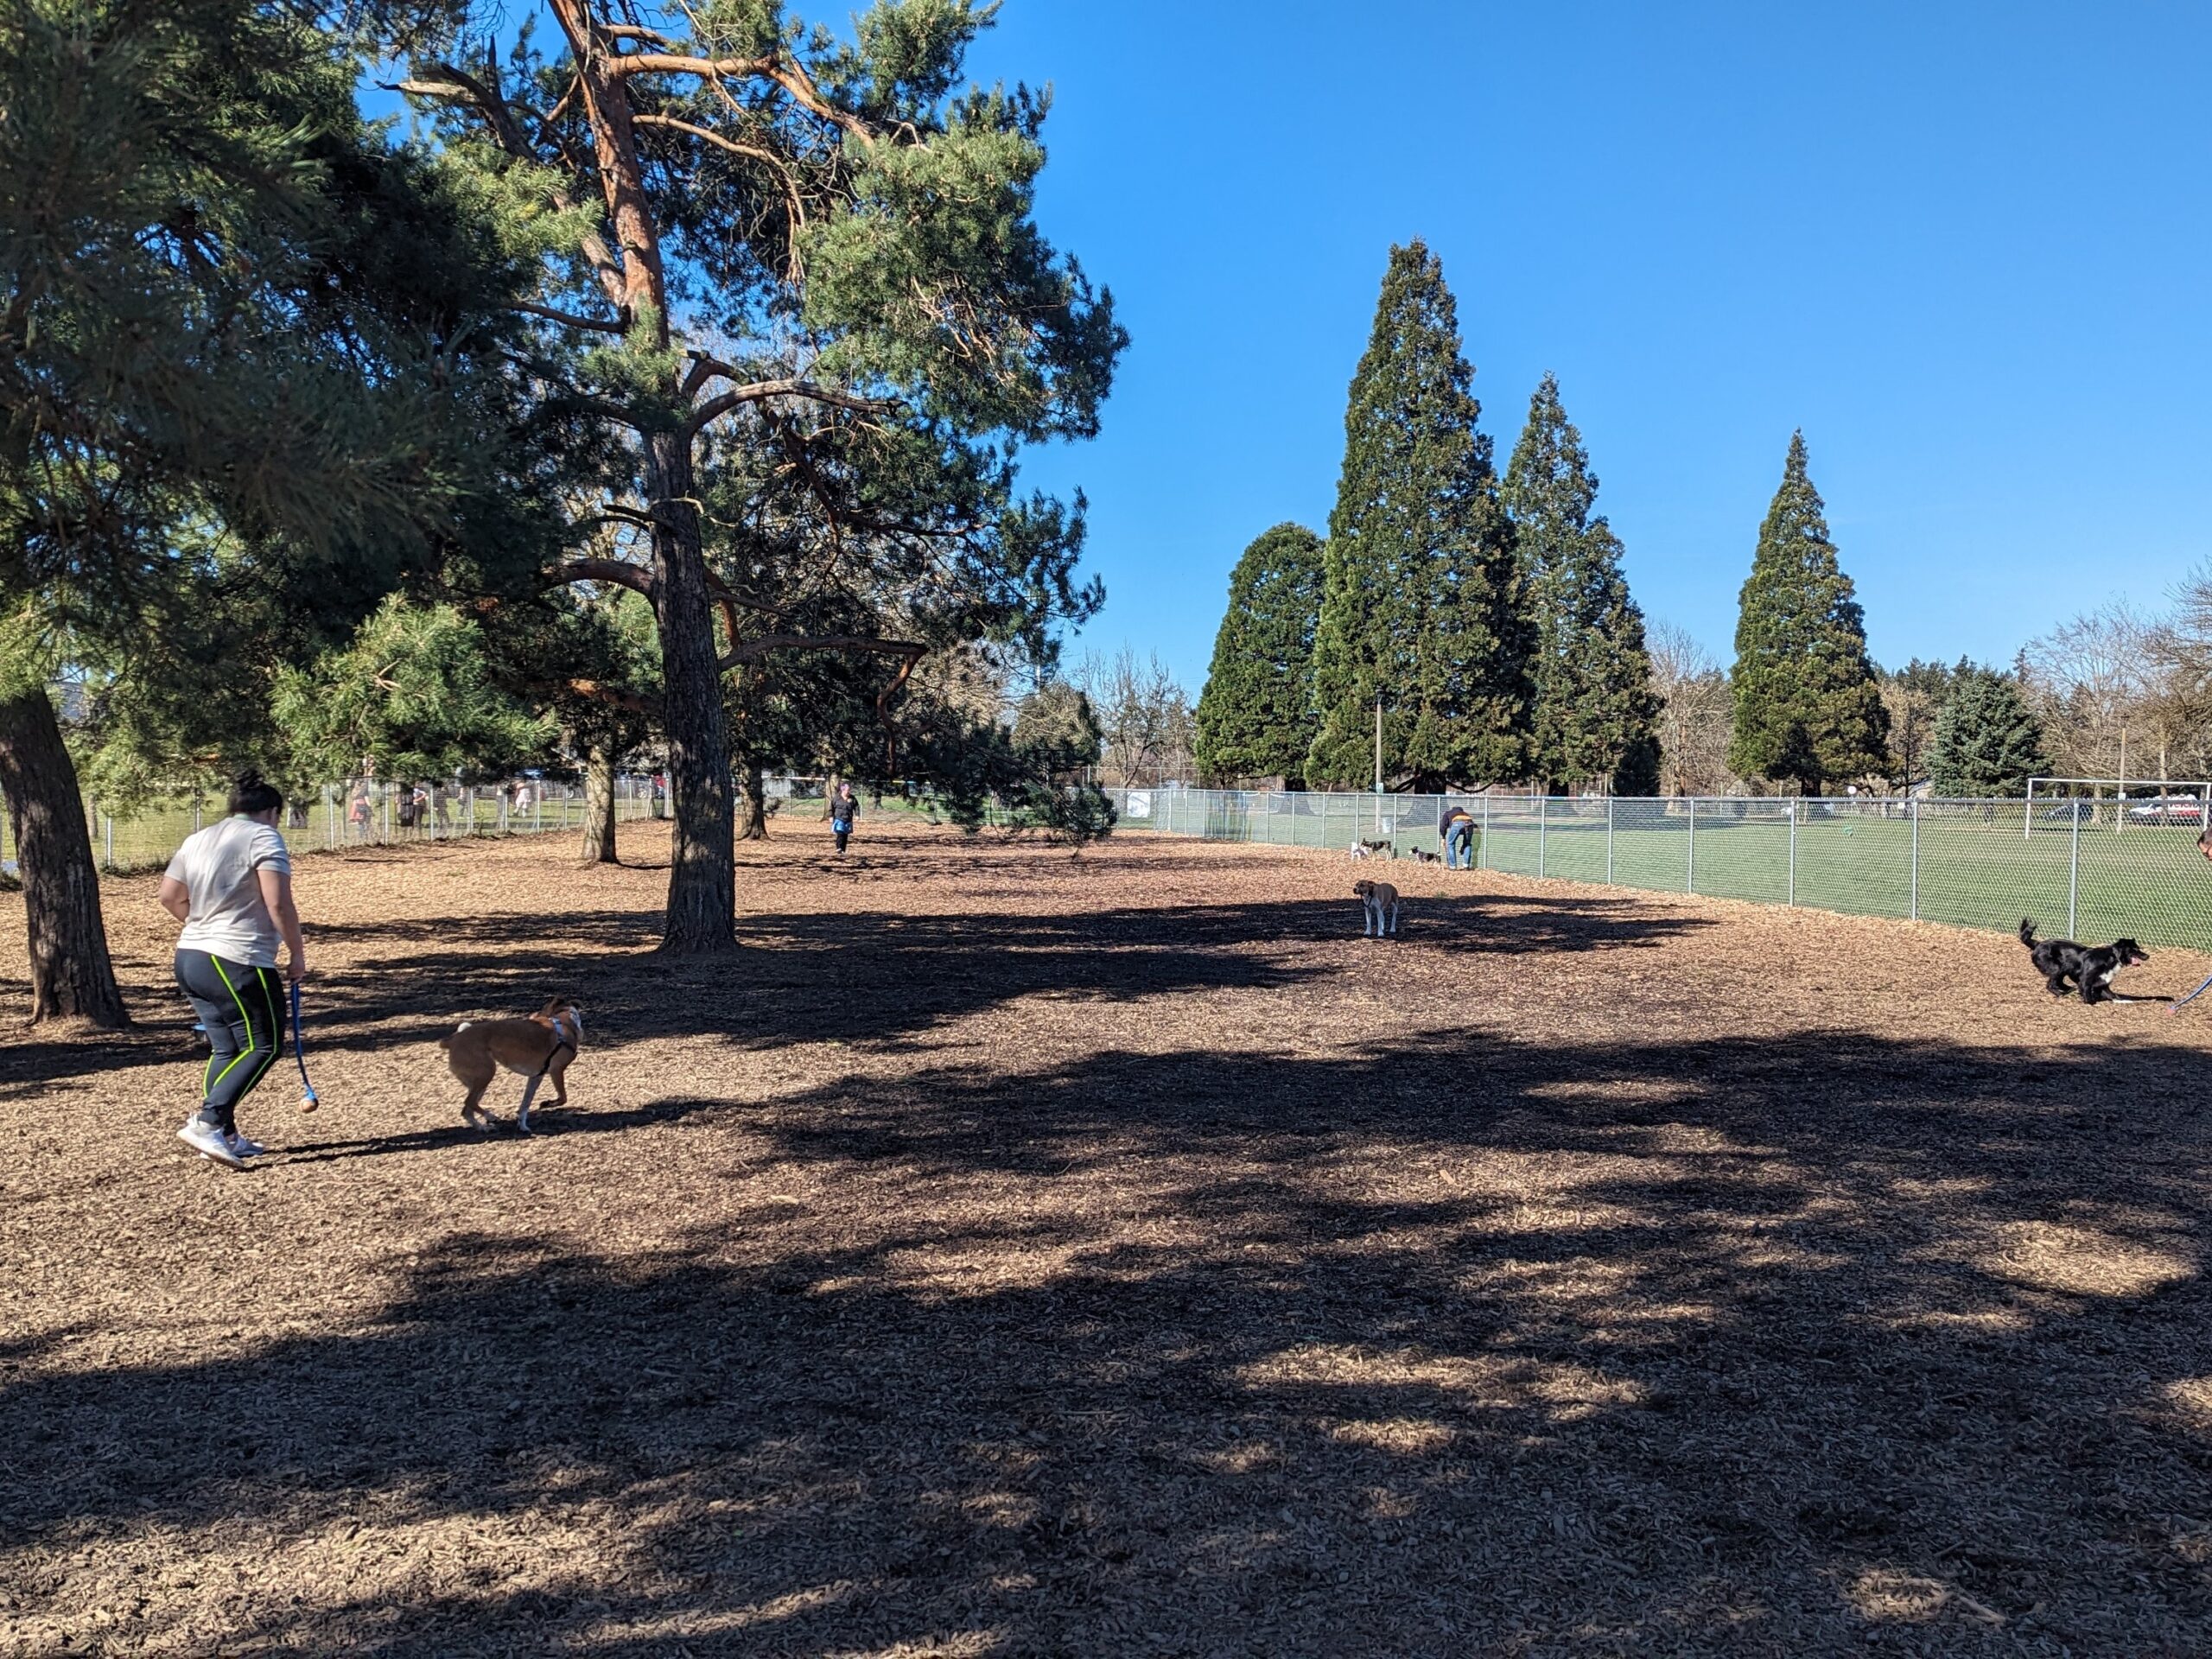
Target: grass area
(2146, 881)
(1975, 869)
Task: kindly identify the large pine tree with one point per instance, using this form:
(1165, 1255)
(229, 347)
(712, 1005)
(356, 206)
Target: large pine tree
(1420, 597)
(1809, 706)
(1256, 716)
(1595, 716)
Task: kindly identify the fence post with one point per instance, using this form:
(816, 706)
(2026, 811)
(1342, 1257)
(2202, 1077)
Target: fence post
(107, 841)
(2074, 869)
(1913, 807)
(538, 808)
(1541, 804)
(1793, 849)
(1482, 853)
(1609, 841)
(1689, 873)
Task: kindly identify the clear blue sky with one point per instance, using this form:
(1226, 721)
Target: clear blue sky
(1965, 246)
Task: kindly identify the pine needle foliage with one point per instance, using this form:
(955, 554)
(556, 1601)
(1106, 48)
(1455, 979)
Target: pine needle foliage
(1807, 702)
(1421, 604)
(1256, 716)
(1595, 716)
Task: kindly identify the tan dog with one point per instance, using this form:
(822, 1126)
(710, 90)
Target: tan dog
(539, 1047)
(1379, 904)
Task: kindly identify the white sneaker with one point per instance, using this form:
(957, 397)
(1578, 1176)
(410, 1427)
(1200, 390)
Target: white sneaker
(243, 1147)
(209, 1143)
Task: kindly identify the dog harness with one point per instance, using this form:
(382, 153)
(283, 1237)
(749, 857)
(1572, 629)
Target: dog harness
(565, 1040)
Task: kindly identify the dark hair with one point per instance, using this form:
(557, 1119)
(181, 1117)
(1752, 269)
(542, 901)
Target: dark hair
(250, 794)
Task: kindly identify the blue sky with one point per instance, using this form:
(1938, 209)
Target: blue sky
(1966, 247)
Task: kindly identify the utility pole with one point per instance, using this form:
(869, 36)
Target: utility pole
(1378, 741)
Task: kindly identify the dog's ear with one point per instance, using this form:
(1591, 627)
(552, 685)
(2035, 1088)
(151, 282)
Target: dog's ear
(555, 1007)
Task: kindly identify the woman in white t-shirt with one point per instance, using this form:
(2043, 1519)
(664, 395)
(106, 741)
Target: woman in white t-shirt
(231, 885)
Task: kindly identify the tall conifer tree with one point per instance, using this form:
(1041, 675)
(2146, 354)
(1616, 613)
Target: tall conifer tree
(1808, 707)
(1595, 716)
(1256, 716)
(1421, 601)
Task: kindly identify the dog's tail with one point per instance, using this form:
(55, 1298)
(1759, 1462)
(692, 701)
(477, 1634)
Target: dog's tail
(446, 1041)
(2028, 932)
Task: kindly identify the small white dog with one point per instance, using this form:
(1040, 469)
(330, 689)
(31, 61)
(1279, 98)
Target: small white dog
(1379, 905)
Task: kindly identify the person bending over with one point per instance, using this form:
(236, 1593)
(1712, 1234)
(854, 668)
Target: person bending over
(231, 885)
(1458, 830)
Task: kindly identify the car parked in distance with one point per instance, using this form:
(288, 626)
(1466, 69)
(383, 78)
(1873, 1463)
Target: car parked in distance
(2168, 809)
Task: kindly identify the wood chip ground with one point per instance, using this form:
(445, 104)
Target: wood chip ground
(1008, 1255)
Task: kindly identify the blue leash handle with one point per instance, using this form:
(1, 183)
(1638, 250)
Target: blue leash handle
(299, 1047)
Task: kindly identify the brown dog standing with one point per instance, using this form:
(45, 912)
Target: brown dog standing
(538, 1047)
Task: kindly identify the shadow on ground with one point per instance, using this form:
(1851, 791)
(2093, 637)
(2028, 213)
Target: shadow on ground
(878, 977)
(1780, 1347)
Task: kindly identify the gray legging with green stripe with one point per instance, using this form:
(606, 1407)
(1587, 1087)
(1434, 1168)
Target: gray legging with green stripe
(241, 1009)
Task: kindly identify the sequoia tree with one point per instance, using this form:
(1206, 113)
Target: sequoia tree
(820, 240)
(1255, 714)
(1422, 603)
(1595, 713)
(1809, 706)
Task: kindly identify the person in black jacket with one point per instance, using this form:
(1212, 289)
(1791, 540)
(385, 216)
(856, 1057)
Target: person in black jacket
(844, 810)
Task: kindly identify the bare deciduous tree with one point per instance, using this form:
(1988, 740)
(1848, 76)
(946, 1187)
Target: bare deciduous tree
(1144, 717)
(1693, 724)
(2092, 684)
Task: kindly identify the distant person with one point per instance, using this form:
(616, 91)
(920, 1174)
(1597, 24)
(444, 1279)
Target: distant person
(357, 813)
(1457, 828)
(2204, 842)
(231, 885)
(420, 800)
(844, 811)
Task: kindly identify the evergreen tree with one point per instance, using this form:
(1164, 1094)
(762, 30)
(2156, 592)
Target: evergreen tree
(1987, 740)
(249, 355)
(1595, 715)
(758, 233)
(1808, 707)
(1421, 598)
(1256, 715)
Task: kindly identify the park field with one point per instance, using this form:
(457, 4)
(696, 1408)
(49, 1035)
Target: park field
(1007, 1253)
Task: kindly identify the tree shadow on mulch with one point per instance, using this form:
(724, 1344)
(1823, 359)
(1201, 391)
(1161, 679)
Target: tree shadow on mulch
(877, 977)
(1783, 1359)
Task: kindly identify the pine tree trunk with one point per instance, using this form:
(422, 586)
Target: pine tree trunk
(599, 807)
(702, 876)
(755, 797)
(72, 977)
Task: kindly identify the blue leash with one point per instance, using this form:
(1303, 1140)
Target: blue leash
(308, 1101)
(2183, 1002)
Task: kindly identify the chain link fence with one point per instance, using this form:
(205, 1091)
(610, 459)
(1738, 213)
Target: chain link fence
(360, 814)
(2094, 870)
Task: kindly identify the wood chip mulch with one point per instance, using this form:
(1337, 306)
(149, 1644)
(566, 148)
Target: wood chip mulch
(1007, 1253)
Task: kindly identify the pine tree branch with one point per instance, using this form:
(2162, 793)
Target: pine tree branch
(759, 390)
(554, 314)
(609, 693)
(786, 73)
(620, 572)
(761, 645)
